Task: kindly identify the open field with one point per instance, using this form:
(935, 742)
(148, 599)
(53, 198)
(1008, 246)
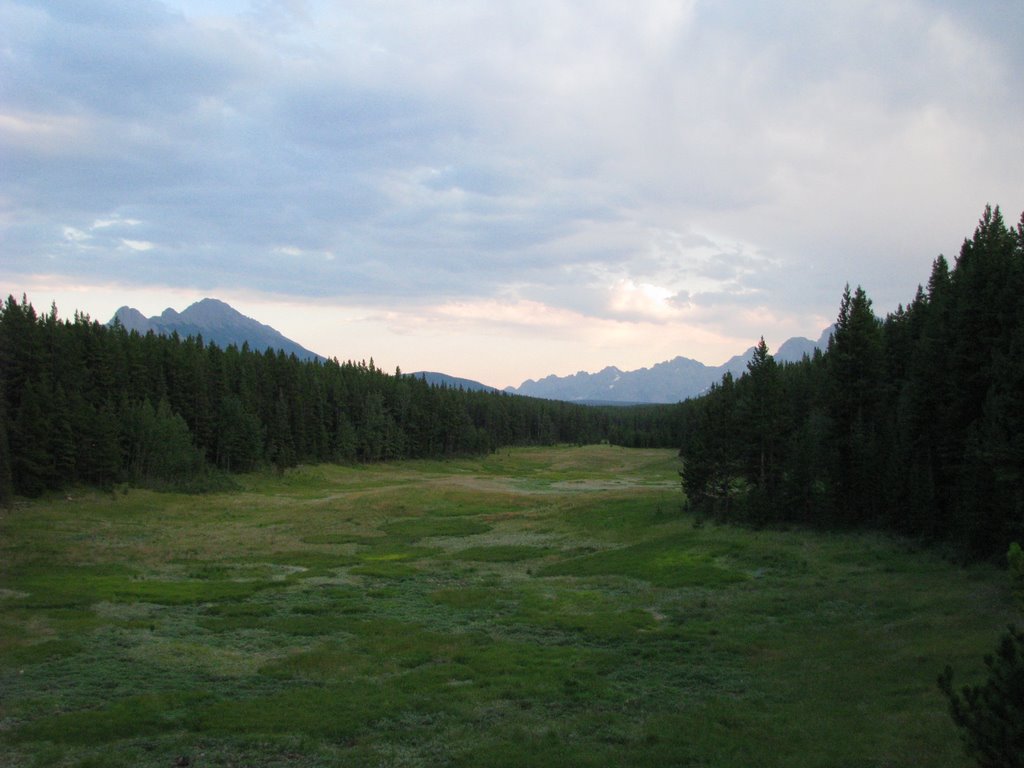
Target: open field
(534, 607)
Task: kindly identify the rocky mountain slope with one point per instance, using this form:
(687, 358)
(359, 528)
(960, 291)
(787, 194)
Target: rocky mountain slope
(216, 322)
(666, 382)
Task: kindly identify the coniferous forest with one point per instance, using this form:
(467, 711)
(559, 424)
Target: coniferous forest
(913, 423)
(87, 403)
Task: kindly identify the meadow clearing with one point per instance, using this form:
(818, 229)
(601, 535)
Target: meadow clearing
(538, 606)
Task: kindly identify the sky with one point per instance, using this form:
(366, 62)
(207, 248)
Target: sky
(502, 191)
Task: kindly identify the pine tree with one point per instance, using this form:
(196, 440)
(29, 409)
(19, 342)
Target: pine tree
(711, 453)
(31, 464)
(373, 428)
(239, 436)
(762, 427)
(280, 444)
(99, 444)
(62, 440)
(856, 372)
(991, 716)
(6, 481)
(985, 317)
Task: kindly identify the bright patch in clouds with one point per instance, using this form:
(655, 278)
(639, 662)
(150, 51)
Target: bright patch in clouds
(75, 235)
(643, 300)
(138, 245)
(115, 222)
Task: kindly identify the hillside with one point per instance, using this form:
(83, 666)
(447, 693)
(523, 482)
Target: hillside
(435, 379)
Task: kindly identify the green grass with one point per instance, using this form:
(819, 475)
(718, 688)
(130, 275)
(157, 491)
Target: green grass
(416, 528)
(669, 562)
(533, 607)
(502, 553)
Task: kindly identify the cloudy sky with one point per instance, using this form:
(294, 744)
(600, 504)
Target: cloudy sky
(502, 190)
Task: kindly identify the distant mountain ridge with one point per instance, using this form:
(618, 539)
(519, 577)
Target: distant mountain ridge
(666, 382)
(216, 322)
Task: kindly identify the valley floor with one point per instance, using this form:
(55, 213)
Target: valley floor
(534, 607)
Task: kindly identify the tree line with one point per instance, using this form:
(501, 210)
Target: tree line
(912, 423)
(82, 402)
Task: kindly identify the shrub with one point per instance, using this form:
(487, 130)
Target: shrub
(991, 716)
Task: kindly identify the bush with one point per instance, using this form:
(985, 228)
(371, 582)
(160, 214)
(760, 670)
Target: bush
(991, 716)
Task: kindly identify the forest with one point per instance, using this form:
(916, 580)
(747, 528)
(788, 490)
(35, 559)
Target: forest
(913, 423)
(84, 403)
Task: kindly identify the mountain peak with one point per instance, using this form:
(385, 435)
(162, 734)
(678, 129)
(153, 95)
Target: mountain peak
(666, 382)
(217, 322)
(131, 319)
(214, 313)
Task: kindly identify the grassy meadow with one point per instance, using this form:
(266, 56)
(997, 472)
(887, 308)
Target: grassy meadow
(534, 607)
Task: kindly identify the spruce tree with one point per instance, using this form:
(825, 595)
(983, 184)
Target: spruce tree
(856, 372)
(31, 463)
(239, 436)
(711, 453)
(62, 440)
(761, 426)
(6, 482)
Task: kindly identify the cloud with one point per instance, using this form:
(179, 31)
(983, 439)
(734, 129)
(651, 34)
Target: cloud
(667, 162)
(76, 235)
(137, 245)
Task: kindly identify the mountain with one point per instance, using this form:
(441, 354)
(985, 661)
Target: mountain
(216, 322)
(793, 350)
(452, 382)
(667, 382)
